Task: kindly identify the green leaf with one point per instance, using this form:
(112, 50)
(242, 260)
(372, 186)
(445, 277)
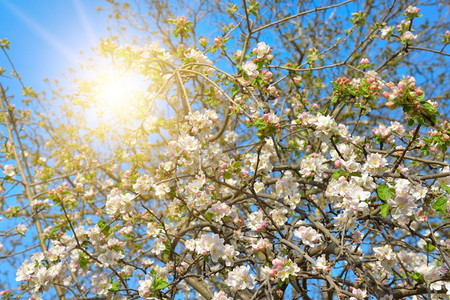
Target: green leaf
(234, 90)
(417, 277)
(446, 188)
(384, 192)
(103, 227)
(411, 122)
(336, 174)
(427, 106)
(385, 209)
(115, 287)
(101, 224)
(440, 204)
(429, 247)
(209, 216)
(160, 284)
(84, 260)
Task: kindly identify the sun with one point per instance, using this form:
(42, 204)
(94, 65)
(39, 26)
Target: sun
(112, 94)
(117, 89)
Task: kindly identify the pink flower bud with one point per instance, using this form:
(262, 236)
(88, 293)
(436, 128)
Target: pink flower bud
(390, 104)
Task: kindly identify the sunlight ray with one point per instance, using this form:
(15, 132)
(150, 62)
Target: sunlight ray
(93, 39)
(55, 43)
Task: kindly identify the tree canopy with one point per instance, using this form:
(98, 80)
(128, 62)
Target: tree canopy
(248, 150)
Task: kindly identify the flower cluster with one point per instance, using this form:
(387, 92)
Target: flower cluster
(308, 235)
(240, 278)
(282, 269)
(214, 246)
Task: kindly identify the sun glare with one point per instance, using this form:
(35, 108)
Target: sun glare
(117, 90)
(114, 93)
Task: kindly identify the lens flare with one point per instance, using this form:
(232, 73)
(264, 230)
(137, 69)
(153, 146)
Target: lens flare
(117, 90)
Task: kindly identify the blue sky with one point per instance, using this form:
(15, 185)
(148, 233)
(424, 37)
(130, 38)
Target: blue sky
(46, 39)
(47, 35)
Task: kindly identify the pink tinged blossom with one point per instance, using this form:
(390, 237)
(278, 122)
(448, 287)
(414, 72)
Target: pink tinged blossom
(408, 36)
(279, 216)
(271, 118)
(153, 230)
(298, 79)
(161, 190)
(419, 192)
(386, 256)
(308, 235)
(250, 69)
(385, 32)
(256, 221)
(322, 264)
(229, 255)
(21, 229)
(412, 10)
(40, 276)
(143, 184)
(101, 284)
(362, 294)
(325, 125)
(110, 257)
(272, 90)
(429, 271)
(364, 61)
(219, 210)
(221, 296)
(240, 278)
(402, 207)
(289, 269)
(356, 202)
(375, 163)
(352, 166)
(282, 268)
(197, 56)
(57, 252)
(25, 271)
(117, 203)
(217, 250)
(261, 245)
(159, 246)
(382, 131)
(211, 244)
(312, 165)
(202, 120)
(145, 287)
(9, 170)
(261, 50)
(190, 245)
(397, 128)
(342, 131)
(286, 187)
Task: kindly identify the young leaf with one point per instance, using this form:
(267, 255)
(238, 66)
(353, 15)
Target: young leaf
(385, 209)
(384, 192)
(160, 284)
(114, 287)
(440, 204)
(446, 188)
